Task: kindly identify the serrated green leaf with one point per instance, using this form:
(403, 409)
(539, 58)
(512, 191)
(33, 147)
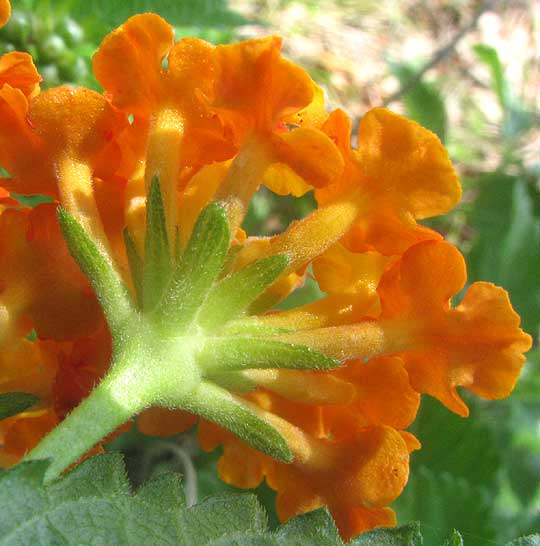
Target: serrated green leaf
(198, 268)
(532, 540)
(454, 540)
(208, 521)
(12, 403)
(113, 295)
(407, 535)
(135, 265)
(157, 256)
(92, 505)
(240, 353)
(233, 295)
(221, 407)
(315, 528)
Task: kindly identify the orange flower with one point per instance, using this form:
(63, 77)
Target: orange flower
(200, 124)
(477, 345)
(255, 91)
(356, 479)
(180, 129)
(57, 145)
(356, 476)
(373, 204)
(399, 173)
(17, 69)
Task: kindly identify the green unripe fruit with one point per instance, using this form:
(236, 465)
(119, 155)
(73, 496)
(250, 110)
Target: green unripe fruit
(18, 29)
(52, 48)
(73, 68)
(71, 31)
(49, 72)
(6, 48)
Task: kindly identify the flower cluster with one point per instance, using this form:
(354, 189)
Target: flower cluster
(184, 135)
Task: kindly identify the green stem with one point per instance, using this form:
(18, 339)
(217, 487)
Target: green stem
(113, 402)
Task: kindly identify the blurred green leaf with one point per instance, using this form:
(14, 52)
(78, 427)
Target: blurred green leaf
(198, 15)
(442, 503)
(489, 56)
(453, 477)
(454, 540)
(516, 118)
(424, 103)
(506, 250)
(464, 448)
(533, 540)
(32, 200)
(12, 403)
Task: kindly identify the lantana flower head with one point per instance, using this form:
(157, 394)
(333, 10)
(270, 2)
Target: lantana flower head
(136, 293)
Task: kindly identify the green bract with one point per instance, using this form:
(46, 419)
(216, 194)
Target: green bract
(175, 341)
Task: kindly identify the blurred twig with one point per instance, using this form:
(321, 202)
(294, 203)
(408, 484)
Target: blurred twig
(440, 54)
(182, 454)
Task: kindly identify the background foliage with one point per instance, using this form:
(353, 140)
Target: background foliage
(469, 71)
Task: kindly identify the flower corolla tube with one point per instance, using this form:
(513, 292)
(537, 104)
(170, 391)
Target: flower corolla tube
(135, 294)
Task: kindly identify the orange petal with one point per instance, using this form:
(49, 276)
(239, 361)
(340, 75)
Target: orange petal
(377, 466)
(386, 229)
(311, 154)
(477, 345)
(304, 386)
(81, 365)
(76, 122)
(256, 87)
(400, 173)
(6, 200)
(424, 280)
(5, 12)
(493, 343)
(339, 271)
(240, 465)
(384, 394)
(18, 70)
(128, 63)
(21, 149)
(28, 367)
(24, 431)
(413, 443)
(281, 179)
(110, 198)
(314, 114)
(191, 66)
(339, 128)
(198, 193)
(351, 521)
(430, 372)
(408, 161)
